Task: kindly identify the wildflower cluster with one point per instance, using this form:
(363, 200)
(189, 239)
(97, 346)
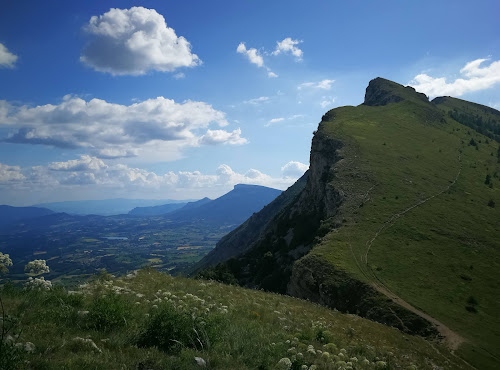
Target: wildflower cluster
(27, 347)
(5, 262)
(38, 284)
(307, 354)
(37, 267)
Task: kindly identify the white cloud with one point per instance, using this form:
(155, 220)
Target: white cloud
(114, 130)
(85, 163)
(134, 41)
(258, 100)
(327, 101)
(10, 173)
(475, 78)
(294, 169)
(281, 119)
(214, 137)
(179, 75)
(324, 85)
(255, 57)
(7, 59)
(113, 153)
(275, 120)
(288, 46)
(252, 54)
(88, 174)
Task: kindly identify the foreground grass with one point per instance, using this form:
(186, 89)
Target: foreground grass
(443, 256)
(150, 320)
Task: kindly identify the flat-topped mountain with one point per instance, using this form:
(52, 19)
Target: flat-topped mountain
(233, 207)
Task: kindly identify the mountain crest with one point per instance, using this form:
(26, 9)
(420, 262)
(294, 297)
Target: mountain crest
(382, 92)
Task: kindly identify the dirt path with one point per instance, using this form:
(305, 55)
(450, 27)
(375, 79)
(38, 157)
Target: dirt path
(450, 338)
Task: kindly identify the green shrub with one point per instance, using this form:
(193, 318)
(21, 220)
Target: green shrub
(108, 312)
(170, 330)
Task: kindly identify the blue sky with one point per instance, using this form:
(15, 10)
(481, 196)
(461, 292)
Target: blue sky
(244, 84)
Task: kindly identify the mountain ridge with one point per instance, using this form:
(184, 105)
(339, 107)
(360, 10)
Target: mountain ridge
(374, 187)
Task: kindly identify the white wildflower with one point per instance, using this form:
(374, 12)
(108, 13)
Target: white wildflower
(201, 362)
(37, 267)
(38, 283)
(284, 364)
(5, 262)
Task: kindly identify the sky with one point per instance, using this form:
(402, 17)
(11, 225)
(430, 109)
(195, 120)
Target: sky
(185, 99)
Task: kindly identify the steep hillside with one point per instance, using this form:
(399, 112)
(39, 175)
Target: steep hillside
(484, 120)
(233, 207)
(399, 222)
(243, 237)
(149, 320)
(10, 215)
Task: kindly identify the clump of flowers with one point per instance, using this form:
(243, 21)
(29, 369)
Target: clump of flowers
(5, 262)
(37, 267)
(38, 283)
(284, 364)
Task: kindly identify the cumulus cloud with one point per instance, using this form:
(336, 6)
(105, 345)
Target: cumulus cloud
(113, 153)
(113, 130)
(294, 169)
(324, 85)
(252, 54)
(91, 173)
(134, 41)
(476, 77)
(7, 59)
(10, 174)
(85, 163)
(179, 76)
(272, 74)
(214, 137)
(288, 46)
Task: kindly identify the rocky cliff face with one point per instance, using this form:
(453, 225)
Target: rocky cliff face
(318, 281)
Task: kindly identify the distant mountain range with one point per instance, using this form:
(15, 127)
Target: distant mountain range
(106, 207)
(231, 208)
(11, 215)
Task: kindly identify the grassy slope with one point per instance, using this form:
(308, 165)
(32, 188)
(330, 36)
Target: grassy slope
(257, 330)
(441, 253)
